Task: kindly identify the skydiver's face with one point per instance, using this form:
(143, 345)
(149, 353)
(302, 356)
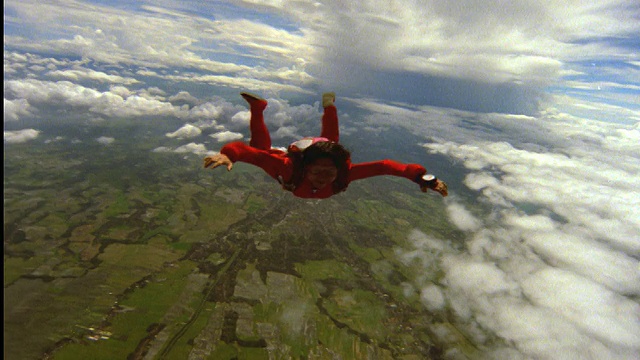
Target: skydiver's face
(321, 173)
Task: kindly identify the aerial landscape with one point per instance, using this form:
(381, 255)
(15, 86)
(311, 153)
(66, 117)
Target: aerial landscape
(164, 259)
(120, 244)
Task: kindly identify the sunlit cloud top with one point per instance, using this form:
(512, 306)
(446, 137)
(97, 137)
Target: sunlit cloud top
(487, 56)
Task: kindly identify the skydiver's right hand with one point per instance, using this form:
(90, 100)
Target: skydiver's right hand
(213, 161)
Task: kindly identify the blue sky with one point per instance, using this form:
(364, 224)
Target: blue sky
(537, 103)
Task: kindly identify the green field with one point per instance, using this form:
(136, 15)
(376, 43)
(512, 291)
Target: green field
(115, 259)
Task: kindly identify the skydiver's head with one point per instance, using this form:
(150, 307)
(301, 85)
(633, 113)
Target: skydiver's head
(326, 163)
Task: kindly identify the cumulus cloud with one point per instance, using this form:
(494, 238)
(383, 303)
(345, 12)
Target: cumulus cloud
(184, 97)
(576, 252)
(121, 102)
(59, 94)
(20, 136)
(594, 193)
(550, 268)
(543, 311)
(14, 109)
(198, 149)
(432, 297)
(105, 140)
(226, 136)
(373, 42)
(594, 309)
(241, 118)
(207, 111)
(190, 148)
(462, 218)
(185, 132)
(158, 38)
(518, 42)
(121, 91)
(286, 132)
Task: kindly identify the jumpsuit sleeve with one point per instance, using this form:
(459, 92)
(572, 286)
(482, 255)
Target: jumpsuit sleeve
(386, 167)
(274, 163)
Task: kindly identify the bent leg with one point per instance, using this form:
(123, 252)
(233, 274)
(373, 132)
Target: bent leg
(260, 137)
(330, 128)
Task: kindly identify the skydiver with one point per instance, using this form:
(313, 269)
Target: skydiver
(313, 167)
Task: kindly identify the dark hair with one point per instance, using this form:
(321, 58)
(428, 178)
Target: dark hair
(340, 156)
(326, 149)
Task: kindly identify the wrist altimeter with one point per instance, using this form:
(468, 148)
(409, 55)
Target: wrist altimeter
(429, 180)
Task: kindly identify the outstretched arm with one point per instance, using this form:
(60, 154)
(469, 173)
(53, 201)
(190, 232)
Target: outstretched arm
(413, 172)
(271, 162)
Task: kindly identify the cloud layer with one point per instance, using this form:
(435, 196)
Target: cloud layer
(553, 267)
(425, 52)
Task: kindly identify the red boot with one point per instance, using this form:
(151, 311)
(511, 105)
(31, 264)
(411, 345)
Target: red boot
(254, 101)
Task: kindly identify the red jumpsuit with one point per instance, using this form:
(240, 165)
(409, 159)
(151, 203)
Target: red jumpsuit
(277, 164)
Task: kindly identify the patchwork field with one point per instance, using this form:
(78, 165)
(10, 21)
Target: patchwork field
(160, 259)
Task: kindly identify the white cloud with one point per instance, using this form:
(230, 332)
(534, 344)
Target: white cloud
(205, 111)
(592, 191)
(226, 136)
(185, 132)
(541, 311)
(152, 93)
(198, 149)
(432, 297)
(158, 39)
(55, 139)
(539, 333)
(45, 94)
(462, 218)
(184, 96)
(88, 74)
(14, 109)
(162, 149)
(191, 148)
(121, 91)
(251, 80)
(561, 247)
(599, 312)
(241, 118)
(20, 136)
(519, 42)
(551, 267)
(286, 132)
(105, 140)
(522, 43)
(602, 106)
